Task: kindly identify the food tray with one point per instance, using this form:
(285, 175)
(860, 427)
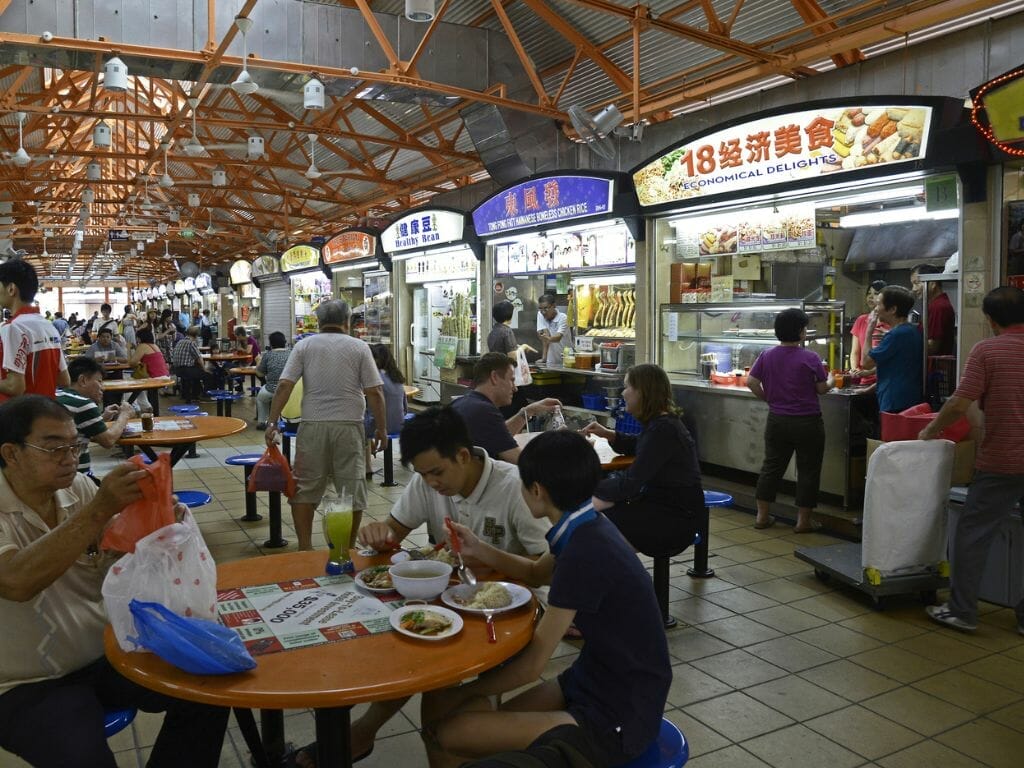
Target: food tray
(728, 379)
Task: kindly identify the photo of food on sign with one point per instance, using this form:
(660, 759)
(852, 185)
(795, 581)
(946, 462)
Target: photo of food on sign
(785, 148)
(718, 240)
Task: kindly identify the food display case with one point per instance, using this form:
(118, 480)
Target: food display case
(377, 298)
(733, 334)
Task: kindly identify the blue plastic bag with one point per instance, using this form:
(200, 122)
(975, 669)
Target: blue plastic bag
(197, 646)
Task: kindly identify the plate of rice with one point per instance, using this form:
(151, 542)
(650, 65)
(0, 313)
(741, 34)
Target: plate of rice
(488, 596)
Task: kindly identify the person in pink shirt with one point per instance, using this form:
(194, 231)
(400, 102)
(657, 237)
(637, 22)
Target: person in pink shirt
(860, 345)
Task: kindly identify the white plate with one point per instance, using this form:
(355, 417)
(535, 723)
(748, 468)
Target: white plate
(454, 629)
(375, 590)
(451, 596)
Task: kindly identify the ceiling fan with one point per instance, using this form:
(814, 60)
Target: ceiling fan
(313, 173)
(193, 147)
(20, 157)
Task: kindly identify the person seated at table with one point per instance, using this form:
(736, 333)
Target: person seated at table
(269, 369)
(494, 386)
(103, 321)
(83, 399)
(609, 703)
(454, 479)
(657, 501)
(55, 682)
(395, 401)
(190, 368)
(105, 349)
(243, 344)
(148, 355)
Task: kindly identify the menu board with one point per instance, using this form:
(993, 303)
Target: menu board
(566, 252)
(297, 614)
(349, 246)
(786, 227)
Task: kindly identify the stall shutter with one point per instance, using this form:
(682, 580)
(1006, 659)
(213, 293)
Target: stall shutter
(276, 308)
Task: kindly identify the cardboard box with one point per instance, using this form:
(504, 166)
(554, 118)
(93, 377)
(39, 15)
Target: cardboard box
(963, 460)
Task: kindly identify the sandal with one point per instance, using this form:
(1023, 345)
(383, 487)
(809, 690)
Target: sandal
(308, 755)
(766, 524)
(812, 528)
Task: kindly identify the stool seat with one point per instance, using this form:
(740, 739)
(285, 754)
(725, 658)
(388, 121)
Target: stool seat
(183, 409)
(717, 499)
(193, 499)
(669, 750)
(116, 720)
(243, 459)
(222, 394)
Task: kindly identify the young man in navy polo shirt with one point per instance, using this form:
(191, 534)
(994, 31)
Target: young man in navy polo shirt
(613, 696)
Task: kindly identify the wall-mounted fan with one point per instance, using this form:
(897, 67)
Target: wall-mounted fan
(595, 129)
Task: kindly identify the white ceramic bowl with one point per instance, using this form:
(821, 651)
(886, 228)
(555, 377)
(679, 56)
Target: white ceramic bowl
(420, 579)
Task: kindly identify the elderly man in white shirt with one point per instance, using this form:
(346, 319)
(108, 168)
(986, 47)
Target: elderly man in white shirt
(553, 329)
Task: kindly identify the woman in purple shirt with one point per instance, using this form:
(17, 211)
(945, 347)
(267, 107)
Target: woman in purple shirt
(790, 378)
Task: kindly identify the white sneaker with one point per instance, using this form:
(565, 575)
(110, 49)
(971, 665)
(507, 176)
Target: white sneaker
(942, 615)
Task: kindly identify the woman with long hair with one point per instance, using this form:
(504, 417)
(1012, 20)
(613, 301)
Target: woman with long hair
(657, 502)
(860, 345)
(395, 404)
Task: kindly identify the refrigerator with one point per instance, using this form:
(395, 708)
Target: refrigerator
(431, 302)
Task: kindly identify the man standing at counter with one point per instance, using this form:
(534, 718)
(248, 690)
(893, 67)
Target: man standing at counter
(553, 329)
(941, 316)
(994, 378)
(898, 357)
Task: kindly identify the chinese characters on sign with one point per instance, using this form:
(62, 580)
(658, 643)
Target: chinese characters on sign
(785, 148)
(544, 201)
(349, 246)
(299, 257)
(423, 229)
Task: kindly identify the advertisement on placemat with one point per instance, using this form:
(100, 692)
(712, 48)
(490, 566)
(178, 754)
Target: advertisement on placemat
(298, 614)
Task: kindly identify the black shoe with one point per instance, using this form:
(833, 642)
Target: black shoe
(261, 426)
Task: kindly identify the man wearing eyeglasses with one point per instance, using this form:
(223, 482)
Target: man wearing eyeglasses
(553, 329)
(55, 682)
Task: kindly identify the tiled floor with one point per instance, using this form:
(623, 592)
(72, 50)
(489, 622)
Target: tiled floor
(772, 667)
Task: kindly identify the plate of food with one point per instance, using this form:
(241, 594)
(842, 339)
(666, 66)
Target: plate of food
(426, 622)
(492, 596)
(375, 579)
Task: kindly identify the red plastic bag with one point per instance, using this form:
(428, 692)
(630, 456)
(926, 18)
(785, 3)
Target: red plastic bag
(906, 425)
(153, 511)
(272, 473)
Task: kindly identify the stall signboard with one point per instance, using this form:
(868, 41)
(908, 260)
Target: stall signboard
(300, 257)
(265, 265)
(118, 235)
(190, 284)
(566, 252)
(349, 246)
(204, 283)
(241, 272)
(171, 288)
(423, 229)
(149, 293)
(797, 146)
(543, 201)
(783, 227)
(161, 291)
(179, 287)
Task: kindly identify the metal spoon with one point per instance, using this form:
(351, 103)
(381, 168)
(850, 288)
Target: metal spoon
(466, 576)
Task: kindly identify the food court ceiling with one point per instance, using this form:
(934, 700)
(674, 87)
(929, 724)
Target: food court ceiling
(388, 138)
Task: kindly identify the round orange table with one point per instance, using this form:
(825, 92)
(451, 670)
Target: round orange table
(251, 372)
(117, 386)
(332, 677)
(226, 357)
(180, 440)
(610, 460)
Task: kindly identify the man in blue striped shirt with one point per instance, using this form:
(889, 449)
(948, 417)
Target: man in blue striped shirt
(82, 400)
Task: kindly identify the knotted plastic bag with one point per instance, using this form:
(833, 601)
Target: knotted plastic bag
(198, 646)
(150, 513)
(171, 566)
(523, 377)
(272, 473)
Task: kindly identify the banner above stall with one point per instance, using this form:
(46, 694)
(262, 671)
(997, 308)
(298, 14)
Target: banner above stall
(241, 272)
(813, 145)
(265, 267)
(351, 246)
(204, 284)
(544, 201)
(300, 258)
(424, 228)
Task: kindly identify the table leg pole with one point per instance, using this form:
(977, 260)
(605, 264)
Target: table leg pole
(251, 515)
(151, 454)
(227, 408)
(389, 468)
(251, 734)
(192, 451)
(286, 447)
(333, 739)
(154, 400)
(272, 725)
(700, 568)
(275, 541)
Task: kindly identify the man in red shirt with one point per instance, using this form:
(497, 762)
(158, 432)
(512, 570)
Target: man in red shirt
(994, 378)
(32, 359)
(941, 316)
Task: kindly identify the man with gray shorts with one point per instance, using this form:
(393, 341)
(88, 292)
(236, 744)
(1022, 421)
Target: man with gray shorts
(339, 380)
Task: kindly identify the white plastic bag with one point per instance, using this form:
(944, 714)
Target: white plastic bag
(523, 376)
(905, 505)
(171, 566)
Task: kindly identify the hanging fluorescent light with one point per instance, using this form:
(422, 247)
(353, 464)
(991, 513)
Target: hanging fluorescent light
(93, 172)
(895, 216)
(101, 135)
(313, 94)
(419, 10)
(115, 75)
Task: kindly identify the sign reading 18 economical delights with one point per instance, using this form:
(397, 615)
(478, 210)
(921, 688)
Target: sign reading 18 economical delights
(542, 201)
(785, 148)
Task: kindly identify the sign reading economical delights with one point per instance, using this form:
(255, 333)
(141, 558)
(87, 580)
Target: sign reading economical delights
(423, 229)
(541, 201)
(349, 246)
(300, 257)
(784, 148)
(265, 265)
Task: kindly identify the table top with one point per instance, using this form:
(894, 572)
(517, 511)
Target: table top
(375, 668)
(220, 357)
(410, 390)
(205, 428)
(245, 370)
(134, 385)
(610, 460)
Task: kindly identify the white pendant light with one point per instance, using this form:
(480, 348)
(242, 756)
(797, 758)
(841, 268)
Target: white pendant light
(161, 227)
(110, 248)
(193, 199)
(419, 10)
(101, 135)
(254, 148)
(174, 215)
(115, 75)
(21, 158)
(220, 177)
(93, 172)
(244, 84)
(313, 94)
(166, 180)
(44, 254)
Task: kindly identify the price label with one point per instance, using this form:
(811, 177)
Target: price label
(585, 343)
(673, 327)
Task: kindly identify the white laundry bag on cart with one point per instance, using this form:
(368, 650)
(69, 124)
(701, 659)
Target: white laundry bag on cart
(904, 525)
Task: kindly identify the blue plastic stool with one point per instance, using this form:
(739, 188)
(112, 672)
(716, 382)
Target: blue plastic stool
(288, 431)
(389, 467)
(669, 750)
(116, 720)
(224, 400)
(184, 410)
(700, 568)
(247, 461)
(193, 499)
